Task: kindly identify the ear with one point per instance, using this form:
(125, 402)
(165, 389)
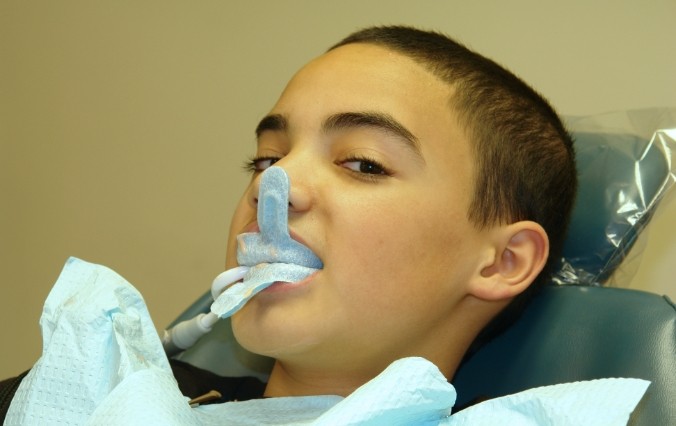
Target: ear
(519, 252)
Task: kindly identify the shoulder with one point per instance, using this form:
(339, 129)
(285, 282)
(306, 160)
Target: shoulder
(8, 388)
(194, 382)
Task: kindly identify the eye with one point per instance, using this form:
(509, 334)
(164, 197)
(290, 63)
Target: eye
(365, 166)
(258, 164)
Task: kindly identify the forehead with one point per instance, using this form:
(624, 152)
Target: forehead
(369, 78)
(365, 77)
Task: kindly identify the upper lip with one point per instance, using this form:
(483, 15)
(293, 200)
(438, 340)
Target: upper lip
(252, 227)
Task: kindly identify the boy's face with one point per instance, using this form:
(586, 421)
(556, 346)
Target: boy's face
(384, 210)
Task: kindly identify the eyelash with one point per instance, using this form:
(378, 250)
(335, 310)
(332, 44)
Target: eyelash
(371, 177)
(252, 166)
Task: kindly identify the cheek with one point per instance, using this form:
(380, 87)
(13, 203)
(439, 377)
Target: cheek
(393, 257)
(243, 215)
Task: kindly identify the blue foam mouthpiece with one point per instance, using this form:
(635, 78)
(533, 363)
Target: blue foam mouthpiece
(273, 243)
(271, 254)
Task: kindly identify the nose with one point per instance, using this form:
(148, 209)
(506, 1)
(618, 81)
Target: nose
(299, 198)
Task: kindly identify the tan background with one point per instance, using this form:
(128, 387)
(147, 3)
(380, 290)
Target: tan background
(123, 124)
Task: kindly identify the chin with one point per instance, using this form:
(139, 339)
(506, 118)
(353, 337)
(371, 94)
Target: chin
(262, 332)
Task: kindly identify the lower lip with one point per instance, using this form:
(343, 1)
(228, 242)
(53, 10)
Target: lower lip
(283, 287)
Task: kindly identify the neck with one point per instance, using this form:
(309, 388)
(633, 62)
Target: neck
(319, 375)
(285, 380)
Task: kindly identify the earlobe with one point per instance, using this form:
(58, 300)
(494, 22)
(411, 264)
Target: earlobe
(520, 252)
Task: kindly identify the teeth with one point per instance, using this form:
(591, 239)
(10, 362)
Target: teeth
(271, 253)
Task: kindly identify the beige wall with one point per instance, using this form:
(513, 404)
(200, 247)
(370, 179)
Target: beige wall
(123, 124)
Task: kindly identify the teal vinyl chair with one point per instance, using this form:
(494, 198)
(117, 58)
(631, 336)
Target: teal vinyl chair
(573, 332)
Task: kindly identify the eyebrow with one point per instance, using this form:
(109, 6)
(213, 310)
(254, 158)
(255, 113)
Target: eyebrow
(376, 120)
(349, 120)
(272, 122)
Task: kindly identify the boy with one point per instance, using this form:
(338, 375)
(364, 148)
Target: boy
(434, 186)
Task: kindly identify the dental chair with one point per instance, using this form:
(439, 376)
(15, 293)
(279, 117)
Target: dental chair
(575, 329)
(582, 331)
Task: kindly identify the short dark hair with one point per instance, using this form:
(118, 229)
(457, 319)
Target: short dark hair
(525, 157)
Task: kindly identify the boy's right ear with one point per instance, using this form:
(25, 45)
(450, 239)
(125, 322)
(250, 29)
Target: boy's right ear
(519, 253)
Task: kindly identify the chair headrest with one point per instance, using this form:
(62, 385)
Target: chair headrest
(622, 178)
